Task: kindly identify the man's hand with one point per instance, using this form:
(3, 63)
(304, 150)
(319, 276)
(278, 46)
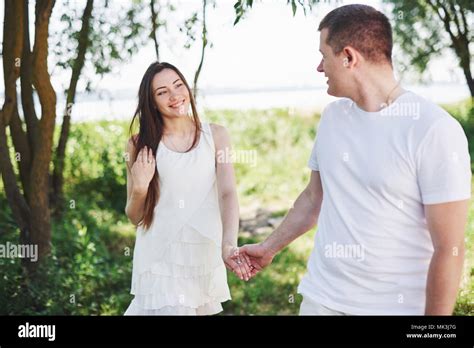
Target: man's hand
(259, 256)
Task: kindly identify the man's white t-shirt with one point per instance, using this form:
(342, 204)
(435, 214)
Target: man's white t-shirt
(378, 169)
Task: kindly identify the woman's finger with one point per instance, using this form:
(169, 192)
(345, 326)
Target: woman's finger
(236, 268)
(228, 266)
(231, 264)
(245, 264)
(150, 155)
(242, 262)
(235, 257)
(145, 155)
(245, 267)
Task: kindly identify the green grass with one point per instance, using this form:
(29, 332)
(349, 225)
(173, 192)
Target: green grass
(89, 270)
(282, 143)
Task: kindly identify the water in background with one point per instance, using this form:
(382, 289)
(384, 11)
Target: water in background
(120, 105)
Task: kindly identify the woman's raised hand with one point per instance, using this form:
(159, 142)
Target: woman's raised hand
(143, 170)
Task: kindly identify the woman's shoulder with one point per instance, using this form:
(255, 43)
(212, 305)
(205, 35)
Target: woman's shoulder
(219, 134)
(217, 129)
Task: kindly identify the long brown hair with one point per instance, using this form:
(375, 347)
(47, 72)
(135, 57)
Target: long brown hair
(151, 130)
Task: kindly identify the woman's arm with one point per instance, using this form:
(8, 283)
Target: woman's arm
(228, 202)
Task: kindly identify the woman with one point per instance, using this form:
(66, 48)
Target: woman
(175, 187)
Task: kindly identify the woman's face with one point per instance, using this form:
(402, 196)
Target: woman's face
(170, 94)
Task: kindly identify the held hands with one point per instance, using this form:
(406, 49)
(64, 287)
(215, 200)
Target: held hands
(143, 170)
(237, 263)
(247, 260)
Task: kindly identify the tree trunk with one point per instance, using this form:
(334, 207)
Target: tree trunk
(58, 173)
(39, 183)
(12, 47)
(465, 63)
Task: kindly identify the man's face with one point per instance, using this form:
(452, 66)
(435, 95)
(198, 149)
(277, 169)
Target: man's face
(333, 67)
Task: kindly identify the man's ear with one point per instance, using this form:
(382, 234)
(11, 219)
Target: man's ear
(350, 56)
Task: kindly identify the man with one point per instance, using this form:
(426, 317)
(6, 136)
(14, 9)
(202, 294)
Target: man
(389, 187)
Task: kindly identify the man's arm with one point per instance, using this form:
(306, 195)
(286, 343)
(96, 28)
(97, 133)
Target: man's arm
(301, 218)
(446, 223)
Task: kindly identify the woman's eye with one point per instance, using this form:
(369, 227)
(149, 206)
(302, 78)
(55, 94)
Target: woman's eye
(179, 85)
(161, 93)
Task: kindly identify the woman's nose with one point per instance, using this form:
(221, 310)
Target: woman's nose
(172, 95)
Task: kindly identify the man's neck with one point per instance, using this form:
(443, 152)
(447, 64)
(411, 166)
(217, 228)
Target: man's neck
(376, 90)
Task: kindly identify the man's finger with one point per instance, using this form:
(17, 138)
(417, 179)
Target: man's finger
(255, 263)
(254, 272)
(247, 259)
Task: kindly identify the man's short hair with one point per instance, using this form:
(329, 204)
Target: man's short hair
(362, 27)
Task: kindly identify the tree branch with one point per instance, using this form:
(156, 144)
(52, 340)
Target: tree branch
(464, 22)
(12, 46)
(20, 143)
(16, 201)
(204, 44)
(446, 19)
(26, 85)
(154, 27)
(83, 44)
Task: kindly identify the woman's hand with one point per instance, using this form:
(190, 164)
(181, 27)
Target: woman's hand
(143, 170)
(237, 263)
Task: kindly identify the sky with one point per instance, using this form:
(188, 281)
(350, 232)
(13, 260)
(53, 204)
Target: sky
(268, 49)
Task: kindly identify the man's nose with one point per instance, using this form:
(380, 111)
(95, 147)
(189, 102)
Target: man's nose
(320, 67)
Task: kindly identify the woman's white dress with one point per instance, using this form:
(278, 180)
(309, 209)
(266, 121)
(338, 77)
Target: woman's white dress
(177, 263)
